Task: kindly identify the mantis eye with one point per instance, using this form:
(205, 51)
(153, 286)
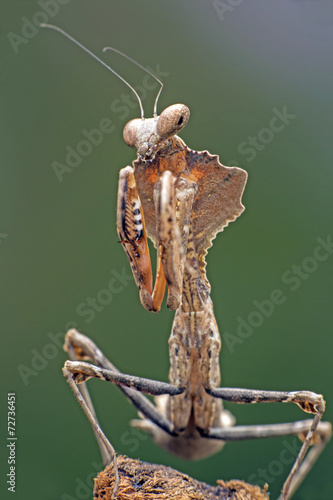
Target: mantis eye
(130, 132)
(172, 120)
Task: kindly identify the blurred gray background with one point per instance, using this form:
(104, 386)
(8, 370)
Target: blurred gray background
(237, 65)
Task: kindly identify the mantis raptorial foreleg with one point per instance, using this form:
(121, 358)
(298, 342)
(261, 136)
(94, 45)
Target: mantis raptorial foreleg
(133, 236)
(173, 205)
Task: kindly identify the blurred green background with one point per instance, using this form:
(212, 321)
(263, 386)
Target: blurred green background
(233, 64)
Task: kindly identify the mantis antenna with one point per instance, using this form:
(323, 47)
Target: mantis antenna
(142, 67)
(51, 26)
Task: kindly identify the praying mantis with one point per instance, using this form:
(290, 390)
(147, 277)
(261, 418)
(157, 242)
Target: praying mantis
(181, 199)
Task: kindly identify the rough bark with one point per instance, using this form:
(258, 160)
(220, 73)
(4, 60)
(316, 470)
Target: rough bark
(145, 481)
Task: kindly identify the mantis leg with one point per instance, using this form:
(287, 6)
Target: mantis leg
(173, 202)
(81, 372)
(315, 432)
(81, 347)
(133, 236)
(173, 205)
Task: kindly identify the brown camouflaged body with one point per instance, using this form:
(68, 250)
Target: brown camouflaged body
(195, 343)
